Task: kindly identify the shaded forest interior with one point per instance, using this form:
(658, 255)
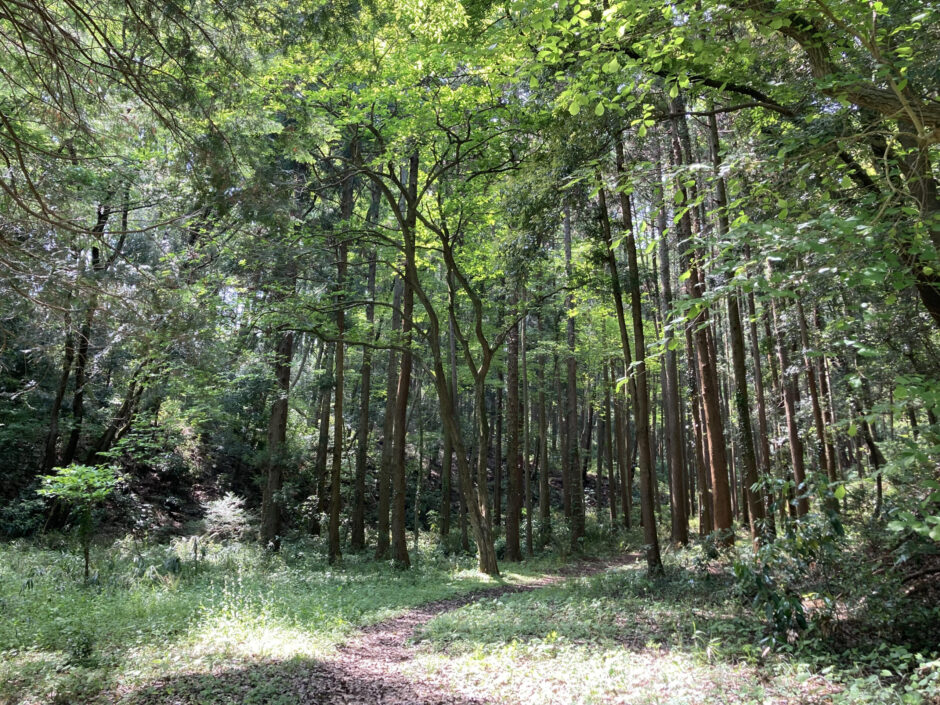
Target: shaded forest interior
(428, 297)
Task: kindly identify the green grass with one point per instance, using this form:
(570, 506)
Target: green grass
(621, 637)
(244, 626)
(152, 612)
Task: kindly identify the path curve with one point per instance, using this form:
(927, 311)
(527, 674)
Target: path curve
(369, 668)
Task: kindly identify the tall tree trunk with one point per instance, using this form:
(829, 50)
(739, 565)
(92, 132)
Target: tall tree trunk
(448, 445)
(545, 511)
(526, 468)
(339, 425)
(323, 441)
(399, 540)
(675, 449)
(755, 506)
(641, 400)
(609, 442)
(763, 430)
(513, 460)
(277, 434)
(788, 388)
(498, 455)
(572, 474)
(388, 432)
(707, 368)
(358, 534)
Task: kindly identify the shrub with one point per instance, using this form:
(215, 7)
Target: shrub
(82, 487)
(226, 518)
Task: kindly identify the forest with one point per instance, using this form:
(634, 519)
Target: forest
(469, 351)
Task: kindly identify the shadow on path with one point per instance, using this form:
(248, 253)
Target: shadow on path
(367, 669)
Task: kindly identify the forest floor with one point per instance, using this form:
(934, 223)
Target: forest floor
(241, 626)
(374, 666)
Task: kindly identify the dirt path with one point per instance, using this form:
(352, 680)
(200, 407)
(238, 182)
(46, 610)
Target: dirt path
(370, 667)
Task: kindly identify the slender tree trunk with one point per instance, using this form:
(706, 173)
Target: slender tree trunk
(755, 507)
(513, 459)
(277, 434)
(339, 425)
(572, 474)
(388, 432)
(526, 468)
(707, 370)
(448, 445)
(498, 455)
(358, 537)
(641, 399)
(788, 386)
(675, 449)
(545, 511)
(399, 539)
(763, 430)
(609, 442)
(50, 456)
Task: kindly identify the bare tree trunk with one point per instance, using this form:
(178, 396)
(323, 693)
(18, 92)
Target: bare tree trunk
(498, 456)
(399, 539)
(358, 534)
(339, 425)
(388, 433)
(448, 466)
(788, 385)
(50, 456)
(707, 370)
(277, 434)
(755, 507)
(609, 442)
(545, 510)
(513, 459)
(675, 449)
(572, 474)
(526, 468)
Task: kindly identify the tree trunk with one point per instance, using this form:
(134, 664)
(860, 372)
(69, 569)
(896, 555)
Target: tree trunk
(707, 368)
(672, 421)
(545, 510)
(572, 473)
(513, 460)
(388, 432)
(788, 385)
(641, 399)
(399, 540)
(358, 534)
(755, 506)
(277, 434)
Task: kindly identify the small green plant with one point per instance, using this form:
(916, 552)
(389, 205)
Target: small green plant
(226, 518)
(82, 487)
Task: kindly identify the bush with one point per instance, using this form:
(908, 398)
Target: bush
(226, 518)
(23, 516)
(82, 487)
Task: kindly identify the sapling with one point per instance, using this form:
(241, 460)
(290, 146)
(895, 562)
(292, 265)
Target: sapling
(81, 487)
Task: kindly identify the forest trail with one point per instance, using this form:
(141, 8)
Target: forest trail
(370, 668)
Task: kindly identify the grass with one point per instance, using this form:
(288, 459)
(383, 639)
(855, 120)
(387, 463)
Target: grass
(153, 613)
(239, 625)
(620, 637)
